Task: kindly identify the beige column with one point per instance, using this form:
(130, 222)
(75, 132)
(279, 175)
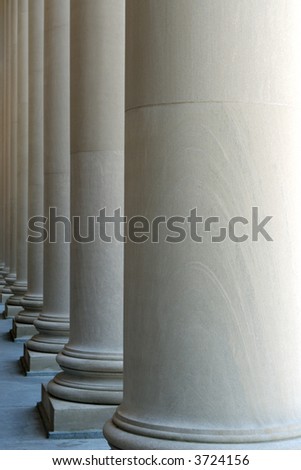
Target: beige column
(92, 359)
(2, 199)
(212, 329)
(12, 195)
(6, 132)
(53, 322)
(32, 302)
(8, 114)
(13, 305)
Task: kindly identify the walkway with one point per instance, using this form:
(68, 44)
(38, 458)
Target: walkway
(20, 423)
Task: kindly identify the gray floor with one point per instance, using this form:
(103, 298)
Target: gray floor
(20, 423)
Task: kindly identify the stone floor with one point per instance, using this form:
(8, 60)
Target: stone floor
(20, 423)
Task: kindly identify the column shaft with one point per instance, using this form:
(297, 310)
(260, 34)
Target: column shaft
(7, 132)
(20, 285)
(11, 276)
(213, 326)
(2, 199)
(53, 322)
(92, 359)
(32, 302)
(9, 183)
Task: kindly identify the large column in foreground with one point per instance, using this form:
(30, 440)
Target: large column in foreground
(53, 322)
(32, 302)
(13, 305)
(92, 359)
(212, 329)
(12, 195)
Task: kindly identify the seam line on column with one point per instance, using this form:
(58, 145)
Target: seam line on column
(103, 152)
(264, 103)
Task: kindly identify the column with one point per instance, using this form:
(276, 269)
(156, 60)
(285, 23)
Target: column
(2, 262)
(13, 305)
(11, 276)
(53, 322)
(7, 140)
(212, 325)
(6, 133)
(92, 359)
(32, 302)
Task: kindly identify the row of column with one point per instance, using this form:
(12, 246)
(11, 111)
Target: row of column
(211, 121)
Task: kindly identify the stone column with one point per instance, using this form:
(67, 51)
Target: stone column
(92, 359)
(53, 322)
(2, 262)
(33, 300)
(13, 305)
(2, 159)
(7, 131)
(213, 327)
(8, 115)
(11, 276)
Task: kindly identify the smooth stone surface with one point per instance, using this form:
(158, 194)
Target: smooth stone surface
(20, 286)
(92, 360)
(12, 310)
(53, 333)
(213, 328)
(63, 418)
(207, 51)
(22, 331)
(5, 298)
(53, 322)
(5, 157)
(130, 441)
(37, 363)
(33, 300)
(7, 289)
(13, 187)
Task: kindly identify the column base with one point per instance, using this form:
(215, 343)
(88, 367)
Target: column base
(88, 377)
(10, 279)
(52, 334)
(66, 420)
(32, 307)
(2, 285)
(37, 363)
(121, 439)
(19, 289)
(7, 290)
(22, 331)
(13, 304)
(11, 310)
(4, 298)
(4, 271)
